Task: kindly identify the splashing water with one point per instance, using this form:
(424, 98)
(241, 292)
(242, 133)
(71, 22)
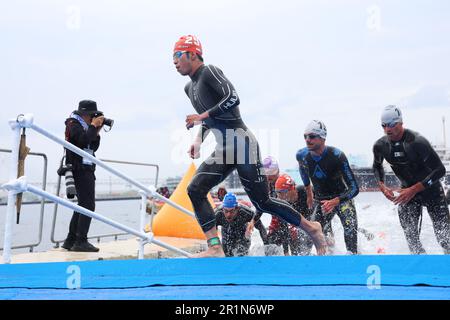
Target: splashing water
(377, 215)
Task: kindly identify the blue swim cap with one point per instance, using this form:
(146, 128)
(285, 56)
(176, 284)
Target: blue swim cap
(229, 201)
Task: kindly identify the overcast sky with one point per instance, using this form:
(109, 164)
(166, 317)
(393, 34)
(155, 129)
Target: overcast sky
(290, 61)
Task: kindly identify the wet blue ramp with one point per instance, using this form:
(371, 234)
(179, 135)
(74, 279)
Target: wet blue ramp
(239, 278)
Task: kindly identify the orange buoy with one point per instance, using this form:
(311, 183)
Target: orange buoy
(171, 222)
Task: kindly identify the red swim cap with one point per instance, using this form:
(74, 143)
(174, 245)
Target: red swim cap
(284, 182)
(188, 43)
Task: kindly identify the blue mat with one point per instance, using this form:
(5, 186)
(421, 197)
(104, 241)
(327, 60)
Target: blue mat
(238, 292)
(328, 277)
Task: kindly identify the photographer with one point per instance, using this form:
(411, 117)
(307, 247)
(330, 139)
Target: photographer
(82, 130)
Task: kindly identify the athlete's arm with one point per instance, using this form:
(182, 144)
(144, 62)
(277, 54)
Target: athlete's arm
(249, 218)
(194, 149)
(378, 171)
(195, 119)
(309, 196)
(349, 179)
(378, 158)
(431, 160)
(215, 78)
(252, 224)
(303, 169)
(219, 217)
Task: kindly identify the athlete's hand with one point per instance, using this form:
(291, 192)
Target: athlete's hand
(249, 230)
(329, 205)
(407, 194)
(194, 150)
(195, 119)
(388, 192)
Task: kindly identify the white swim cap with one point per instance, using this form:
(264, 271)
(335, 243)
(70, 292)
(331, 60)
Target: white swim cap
(391, 114)
(317, 127)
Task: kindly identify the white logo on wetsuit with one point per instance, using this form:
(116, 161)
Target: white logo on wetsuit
(399, 154)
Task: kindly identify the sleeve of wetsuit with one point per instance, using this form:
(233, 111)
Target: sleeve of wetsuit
(246, 212)
(377, 166)
(431, 160)
(303, 169)
(81, 138)
(223, 87)
(349, 178)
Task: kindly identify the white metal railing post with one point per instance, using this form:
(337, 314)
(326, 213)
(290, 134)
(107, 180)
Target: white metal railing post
(142, 223)
(12, 194)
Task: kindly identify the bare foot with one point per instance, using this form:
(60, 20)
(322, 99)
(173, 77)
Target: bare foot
(318, 238)
(211, 252)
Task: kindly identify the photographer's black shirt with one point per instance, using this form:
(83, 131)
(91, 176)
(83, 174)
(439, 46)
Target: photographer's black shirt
(81, 138)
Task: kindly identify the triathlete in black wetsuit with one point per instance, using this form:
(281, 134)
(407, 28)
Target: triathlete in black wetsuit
(334, 184)
(234, 219)
(282, 233)
(216, 101)
(419, 169)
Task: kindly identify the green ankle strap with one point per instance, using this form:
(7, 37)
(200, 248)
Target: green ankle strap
(213, 241)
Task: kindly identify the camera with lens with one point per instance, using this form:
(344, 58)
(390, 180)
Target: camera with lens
(106, 121)
(66, 171)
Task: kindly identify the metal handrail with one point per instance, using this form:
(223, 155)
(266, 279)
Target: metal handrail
(98, 236)
(42, 202)
(19, 185)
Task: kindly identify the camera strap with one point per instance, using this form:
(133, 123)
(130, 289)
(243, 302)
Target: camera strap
(80, 120)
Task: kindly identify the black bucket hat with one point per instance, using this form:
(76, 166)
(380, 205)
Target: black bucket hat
(88, 107)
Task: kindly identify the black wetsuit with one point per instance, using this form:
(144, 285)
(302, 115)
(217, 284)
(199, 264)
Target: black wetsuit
(83, 175)
(237, 148)
(233, 233)
(332, 177)
(414, 160)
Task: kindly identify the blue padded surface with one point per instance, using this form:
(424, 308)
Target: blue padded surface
(402, 270)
